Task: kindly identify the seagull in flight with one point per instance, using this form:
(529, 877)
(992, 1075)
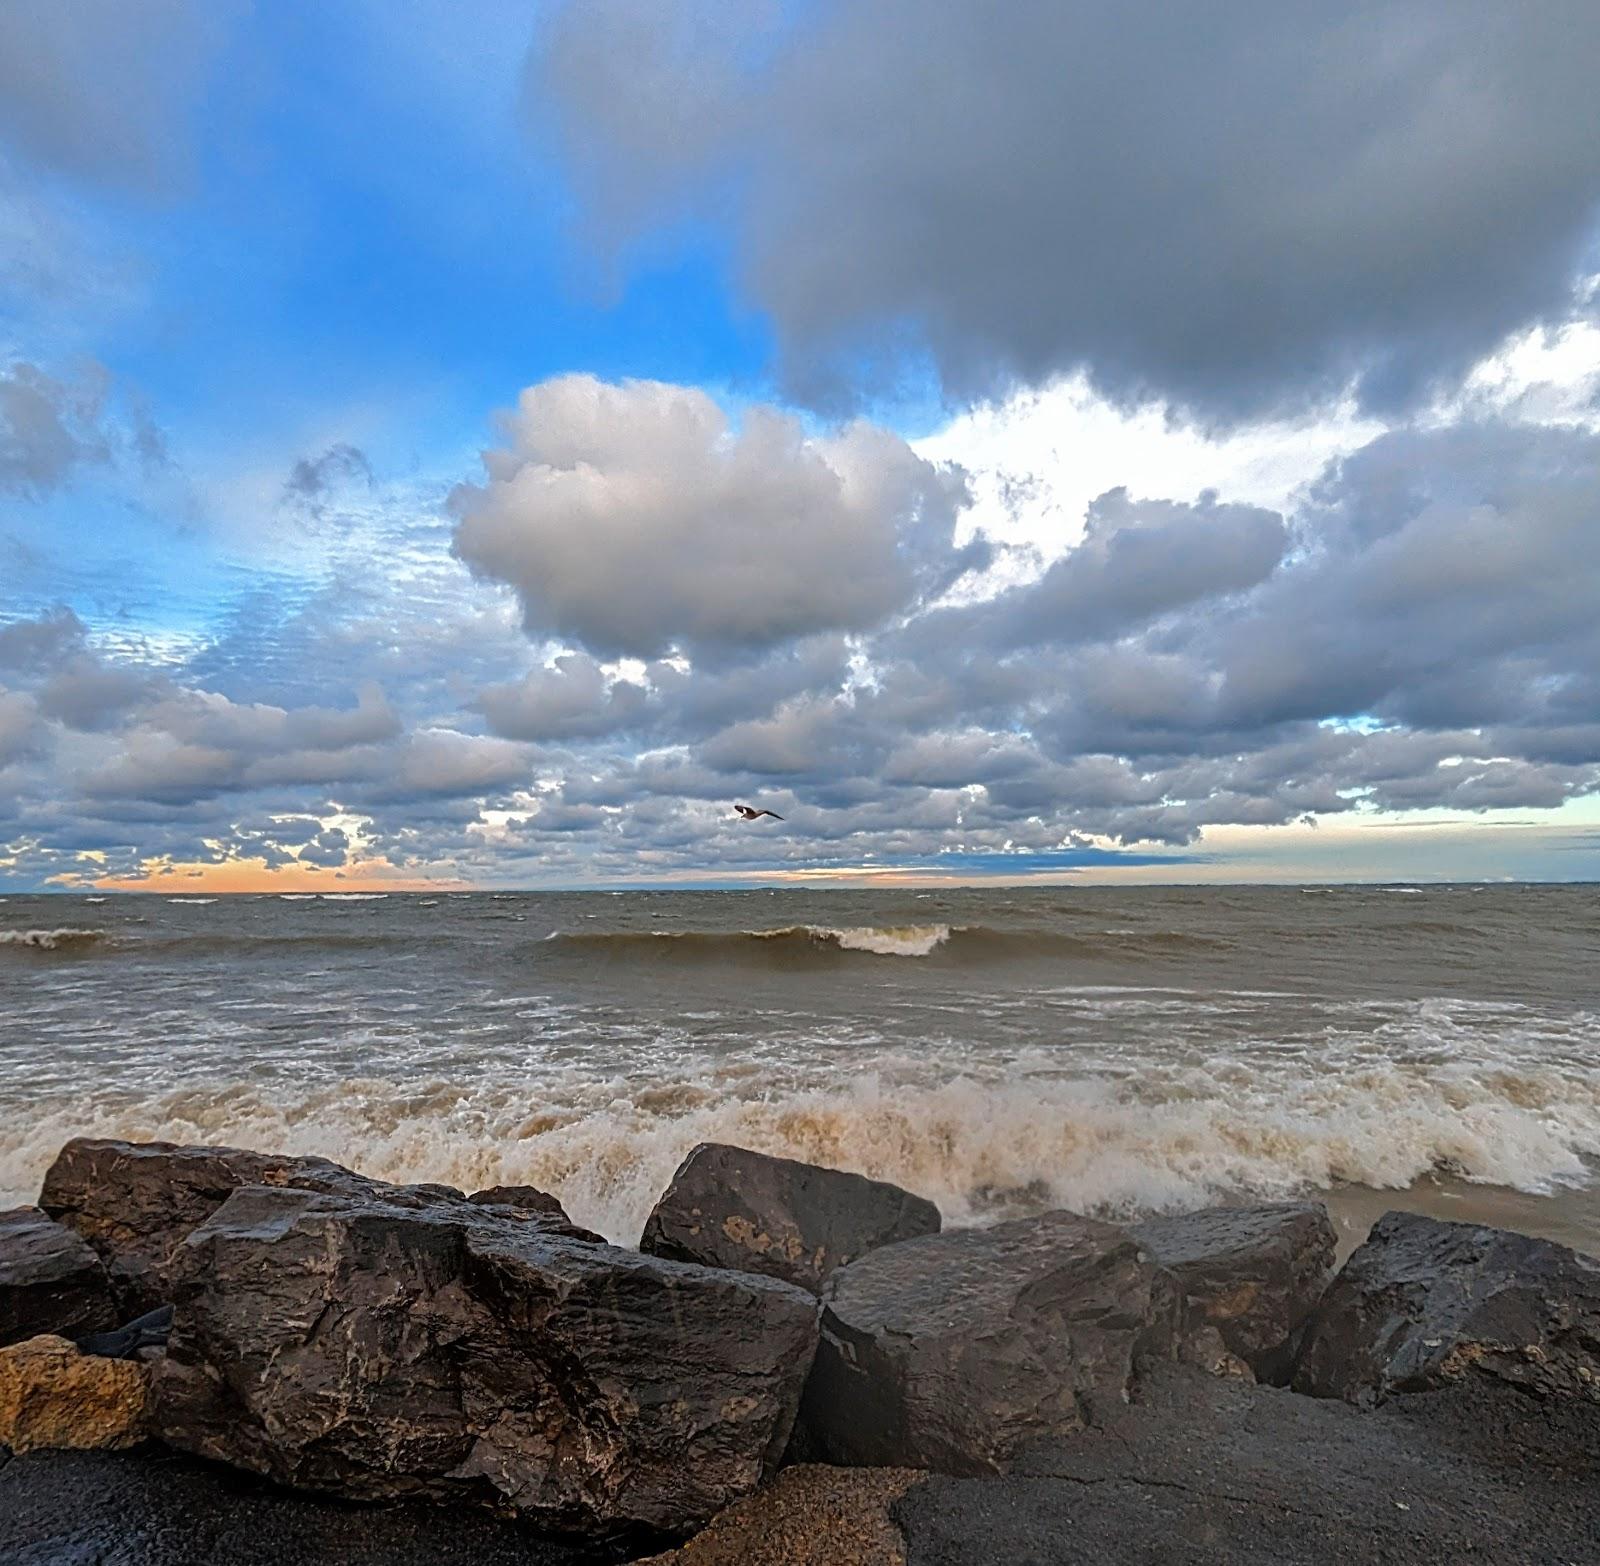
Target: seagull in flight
(749, 813)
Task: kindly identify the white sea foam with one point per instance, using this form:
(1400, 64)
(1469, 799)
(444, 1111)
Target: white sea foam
(297, 897)
(352, 897)
(1012, 1139)
(50, 940)
(907, 940)
(192, 902)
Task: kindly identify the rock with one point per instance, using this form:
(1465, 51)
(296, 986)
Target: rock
(50, 1281)
(1425, 1303)
(148, 1332)
(137, 1202)
(1203, 1347)
(951, 1352)
(808, 1516)
(381, 1351)
(530, 1201)
(1252, 1273)
(729, 1207)
(151, 1507)
(1200, 1472)
(51, 1395)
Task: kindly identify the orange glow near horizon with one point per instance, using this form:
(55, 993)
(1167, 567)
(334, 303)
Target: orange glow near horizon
(255, 875)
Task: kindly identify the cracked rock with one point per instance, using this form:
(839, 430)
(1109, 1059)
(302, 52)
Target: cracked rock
(1425, 1303)
(382, 1349)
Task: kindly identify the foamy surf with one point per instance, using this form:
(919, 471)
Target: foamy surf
(905, 940)
(50, 940)
(981, 1148)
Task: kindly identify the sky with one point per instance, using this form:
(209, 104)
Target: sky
(475, 443)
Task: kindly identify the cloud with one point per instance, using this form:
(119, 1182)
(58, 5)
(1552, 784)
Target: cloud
(1140, 560)
(18, 725)
(312, 479)
(100, 90)
(1412, 631)
(47, 429)
(634, 520)
(1234, 211)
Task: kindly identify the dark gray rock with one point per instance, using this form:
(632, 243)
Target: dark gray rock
(153, 1507)
(148, 1332)
(50, 1281)
(730, 1207)
(382, 1351)
(1252, 1273)
(137, 1202)
(1199, 1472)
(1425, 1303)
(530, 1201)
(953, 1351)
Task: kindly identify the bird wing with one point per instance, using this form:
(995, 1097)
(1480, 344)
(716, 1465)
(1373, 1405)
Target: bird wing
(773, 813)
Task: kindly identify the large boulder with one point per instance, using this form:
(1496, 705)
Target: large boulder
(540, 1206)
(137, 1202)
(1425, 1303)
(952, 1352)
(1251, 1273)
(51, 1395)
(50, 1280)
(730, 1207)
(379, 1350)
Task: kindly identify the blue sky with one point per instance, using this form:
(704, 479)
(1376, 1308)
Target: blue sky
(959, 433)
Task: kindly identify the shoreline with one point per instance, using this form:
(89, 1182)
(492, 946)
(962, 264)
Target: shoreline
(1223, 1376)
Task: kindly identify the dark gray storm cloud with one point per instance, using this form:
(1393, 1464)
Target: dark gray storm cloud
(1232, 207)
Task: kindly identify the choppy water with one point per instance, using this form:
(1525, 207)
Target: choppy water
(1108, 1050)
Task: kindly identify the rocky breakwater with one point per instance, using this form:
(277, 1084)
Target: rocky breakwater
(411, 1344)
(372, 1341)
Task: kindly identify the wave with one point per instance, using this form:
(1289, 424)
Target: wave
(192, 902)
(803, 944)
(983, 1147)
(352, 897)
(63, 940)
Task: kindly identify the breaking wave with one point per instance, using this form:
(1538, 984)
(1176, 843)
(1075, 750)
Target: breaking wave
(65, 940)
(804, 943)
(983, 1148)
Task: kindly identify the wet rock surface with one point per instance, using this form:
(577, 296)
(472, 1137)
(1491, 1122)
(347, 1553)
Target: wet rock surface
(155, 1508)
(50, 1280)
(730, 1207)
(136, 1203)
(951, 1352)
(1213, 1473)
(529, 1201)
(51, 1395)
(384, 1350)
(1251, 1273)
(1425, 1303)
(1198, 1473)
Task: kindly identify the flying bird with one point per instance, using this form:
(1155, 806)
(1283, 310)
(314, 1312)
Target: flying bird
(748, 813)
